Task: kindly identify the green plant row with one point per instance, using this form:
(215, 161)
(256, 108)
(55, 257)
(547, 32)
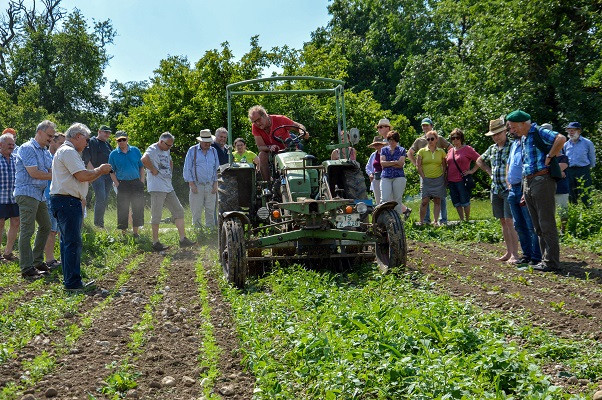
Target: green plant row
(45, 362)
(209, 351)
(319, 335)
(124, 375)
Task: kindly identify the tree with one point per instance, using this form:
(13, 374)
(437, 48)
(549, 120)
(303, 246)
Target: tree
(59, 54)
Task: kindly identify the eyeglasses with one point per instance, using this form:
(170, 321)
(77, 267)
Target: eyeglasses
(167, 144)
(455, 137)
(430, 139)
(254, 121)
(382, 126)
(122, 140)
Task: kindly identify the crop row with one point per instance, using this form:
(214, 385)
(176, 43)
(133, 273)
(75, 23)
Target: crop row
(310, 334)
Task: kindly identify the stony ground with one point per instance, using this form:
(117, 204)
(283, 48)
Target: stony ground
(168, 366)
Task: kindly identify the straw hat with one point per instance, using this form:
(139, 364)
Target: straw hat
(378, 140)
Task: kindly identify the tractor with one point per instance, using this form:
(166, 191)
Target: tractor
(309, 212)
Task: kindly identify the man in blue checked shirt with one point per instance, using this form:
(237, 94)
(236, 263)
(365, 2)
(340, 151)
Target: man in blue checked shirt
(539, 187)
(200, 171)
(8, 206)
(582, 158)
(33, 172)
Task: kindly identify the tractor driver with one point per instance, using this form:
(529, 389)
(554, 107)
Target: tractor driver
(264, 126)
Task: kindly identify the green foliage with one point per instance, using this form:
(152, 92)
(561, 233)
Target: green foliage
(49, 68)
(319, 335)
(119, 382)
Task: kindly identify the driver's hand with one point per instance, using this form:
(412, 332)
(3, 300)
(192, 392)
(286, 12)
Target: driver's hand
(274, 148)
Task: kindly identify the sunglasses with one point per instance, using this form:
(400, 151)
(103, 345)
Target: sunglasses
(122, 140)
(455, 137)
(430, 139)
(382, 126)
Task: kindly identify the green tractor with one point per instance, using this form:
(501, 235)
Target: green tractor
(310, 212)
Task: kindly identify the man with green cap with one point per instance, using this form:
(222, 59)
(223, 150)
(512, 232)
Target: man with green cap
(538, 185)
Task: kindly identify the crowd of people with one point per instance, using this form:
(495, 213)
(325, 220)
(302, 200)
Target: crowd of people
(534, 170)
(44, 182)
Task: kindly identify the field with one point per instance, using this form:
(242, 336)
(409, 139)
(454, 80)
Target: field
(455, 324)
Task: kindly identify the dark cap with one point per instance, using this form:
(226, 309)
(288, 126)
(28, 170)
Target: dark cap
(104, 128)
(518, 116)
(120, 134)
(573, 125)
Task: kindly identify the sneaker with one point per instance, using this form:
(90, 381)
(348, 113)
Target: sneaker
(10, 257)
(186, 242)
(522, 260)
(158, 246)
(32, 274)
(534, 262)
(542, 267)
(82, 288)
(53, 264)
(43, 268)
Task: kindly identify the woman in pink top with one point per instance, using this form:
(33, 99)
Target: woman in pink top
(459, 157)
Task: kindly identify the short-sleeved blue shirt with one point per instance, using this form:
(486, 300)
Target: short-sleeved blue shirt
(31, 154)
(126, 165)
(387, 155)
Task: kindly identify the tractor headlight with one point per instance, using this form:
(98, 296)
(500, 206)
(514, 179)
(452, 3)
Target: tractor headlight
(263, 213)
(361, 207)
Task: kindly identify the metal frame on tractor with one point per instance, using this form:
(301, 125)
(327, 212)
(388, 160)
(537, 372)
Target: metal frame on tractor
(309, 212)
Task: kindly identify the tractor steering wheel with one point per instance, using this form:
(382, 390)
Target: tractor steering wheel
(302, 133)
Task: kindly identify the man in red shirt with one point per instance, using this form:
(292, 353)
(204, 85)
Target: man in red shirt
(264, 130)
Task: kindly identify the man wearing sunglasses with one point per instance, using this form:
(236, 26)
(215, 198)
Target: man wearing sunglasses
(95, 154)
(128, 178)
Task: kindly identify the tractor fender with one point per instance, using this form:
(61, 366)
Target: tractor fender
(381, 207)
(237, 214)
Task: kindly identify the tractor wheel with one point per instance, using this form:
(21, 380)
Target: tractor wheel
(227, 193)
(233, 254)
(355, 185)
(393, 252)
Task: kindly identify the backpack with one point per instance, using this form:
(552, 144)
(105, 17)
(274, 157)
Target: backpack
(555, 171)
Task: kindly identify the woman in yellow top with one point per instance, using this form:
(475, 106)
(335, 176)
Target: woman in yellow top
(242, 155)
(432, 166)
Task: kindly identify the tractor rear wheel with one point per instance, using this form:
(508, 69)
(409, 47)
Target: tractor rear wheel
(393, 252)
(355, 185)
(227, 193)
(233, 253)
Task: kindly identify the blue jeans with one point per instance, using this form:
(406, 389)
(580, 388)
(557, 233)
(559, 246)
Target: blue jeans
(102, 187)
(69, 214)
(529, 242)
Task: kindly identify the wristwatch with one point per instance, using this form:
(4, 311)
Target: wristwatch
(548, 156)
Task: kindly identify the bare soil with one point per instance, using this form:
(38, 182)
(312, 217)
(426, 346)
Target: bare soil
(569, 302)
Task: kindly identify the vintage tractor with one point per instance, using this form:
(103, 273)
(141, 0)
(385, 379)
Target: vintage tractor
(309, 212)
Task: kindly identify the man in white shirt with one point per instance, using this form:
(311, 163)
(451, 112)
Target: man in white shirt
(159, 166)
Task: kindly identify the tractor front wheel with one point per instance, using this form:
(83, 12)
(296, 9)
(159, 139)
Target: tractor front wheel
(233, 254)
(391, 253)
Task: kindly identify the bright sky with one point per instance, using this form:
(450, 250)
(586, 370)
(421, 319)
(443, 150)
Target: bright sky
(150, 30)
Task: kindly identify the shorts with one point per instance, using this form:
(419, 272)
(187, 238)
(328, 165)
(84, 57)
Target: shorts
(500, 205)
(170, 200)
(54, 224)
(9, 210)
(460, 196)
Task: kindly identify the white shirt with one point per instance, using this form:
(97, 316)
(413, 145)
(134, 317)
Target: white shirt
(67, 162)
(161, 160)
